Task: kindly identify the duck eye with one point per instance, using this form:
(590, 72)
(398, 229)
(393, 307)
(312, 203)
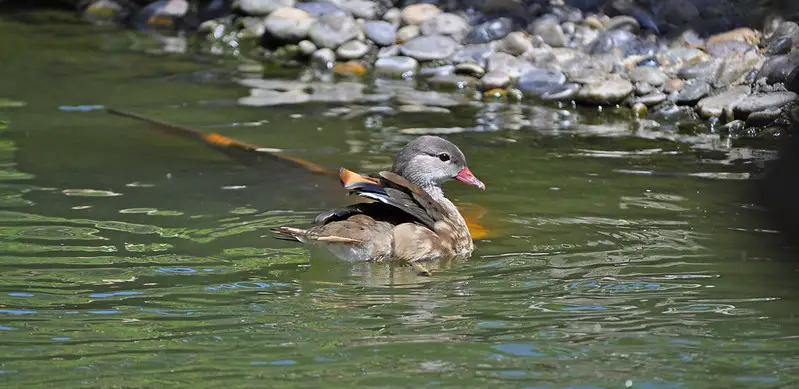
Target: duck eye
(444, 157)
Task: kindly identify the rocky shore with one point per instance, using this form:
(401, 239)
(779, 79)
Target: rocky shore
(738, 78)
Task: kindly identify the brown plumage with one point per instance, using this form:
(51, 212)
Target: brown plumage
(409, 218)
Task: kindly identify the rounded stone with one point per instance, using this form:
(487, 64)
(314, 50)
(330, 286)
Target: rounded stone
(470, 69)
(495, 79)
(333, 30)
(516, 43)
(380, 32)
(551, 32)
(542, 82)
(288, 24)
(419, 13)
(324, 55)
(396, 65)
(307, 47)
(429, 48)
(649, 75)
(352, 50)
(446, 24)
(606, 92)
(316, 9)
(407, 33)
(489, 31)
(263, 7)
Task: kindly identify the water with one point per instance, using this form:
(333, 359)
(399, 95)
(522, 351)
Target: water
(133, 258)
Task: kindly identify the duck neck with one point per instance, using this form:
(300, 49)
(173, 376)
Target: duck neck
(453, 215)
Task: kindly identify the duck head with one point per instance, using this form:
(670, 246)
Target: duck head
(430, 161)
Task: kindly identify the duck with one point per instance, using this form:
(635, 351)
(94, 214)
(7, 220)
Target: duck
(404, 214)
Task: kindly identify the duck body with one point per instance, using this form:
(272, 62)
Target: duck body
(408, 217)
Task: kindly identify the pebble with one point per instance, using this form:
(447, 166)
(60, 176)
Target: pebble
(639, 110)
(352, 50)
(307, 47)
(733, 69)
(470, 69)
(324, 56)
(431, 98)
(515, 43)
(430, 71)
(419, 13)
(541, 82)
(622, 22)
(473, 53)
(569, 91)
(673, 85)
(693, 91)
(388, 51)
(787, 31)
(321, 8)
(651, 99)
(396, 65)
(505, 62)
(780, 46)
(429, 48)
(777, 68)
(288, 24)
(649, 75)
(495, 79)
(714, 105)
(263, 7)
(489, 31)
(446, 24)
(380, 32)
(764, 102)
(332, 30)
(266, 97)
(393, 16)
(744, 34)
(415, 108)
(611, 91)
(643, 88)
(551, 32)
(408, 32)
(363, 9)
(452, 81)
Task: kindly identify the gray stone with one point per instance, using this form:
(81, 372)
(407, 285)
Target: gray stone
(451, 81)
(266, 97)
(705, 71)
(352, 50)
(446, 24)
(692, 91)
(414, 108)
(541, 82)
(429, 48)
(380, 32)
(363, 9)
(713, 106)
(419, 13)
(431, 98)
(393, 16)
(649, 75)
(489, 31)
(340, 92)
(786, 31)
(506, 63)
(324, 56)
(333, 30)
(495, 79)
(568, 91)
(263, 7)
(396, 65)
(307, 47)
(516, 43)
(777, 68)
(408, 32)
(764, 102)
(321, 8)
(642, 89)
(288, 24)
(651, 99)
(430, 71)
(470, 68)
(733, 69)
(473, 53)
(388, 51)
(622, 22)
(550, 31)
(611, 91)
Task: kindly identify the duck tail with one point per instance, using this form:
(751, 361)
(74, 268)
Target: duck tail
(304, 236)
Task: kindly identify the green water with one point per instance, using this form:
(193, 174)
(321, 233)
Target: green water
(135, 259)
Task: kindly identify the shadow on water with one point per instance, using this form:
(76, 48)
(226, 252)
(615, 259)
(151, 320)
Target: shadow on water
(625, 253)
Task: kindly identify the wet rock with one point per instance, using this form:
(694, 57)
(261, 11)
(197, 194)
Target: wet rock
(105, 12)
(477, 54)
(777, 68)
(650, 99)
(639, 110)
(603, 44)
(693, 91)
(713, 106)
(363, 9)
(446, 24)
(689, 38)
(318, 9)
(648, 62)
(489, 31)
(705, 71)
(505, 63)
(728, 48)
(393, 16)
(622, 22)
(380, 32)
(266, 97)
(611, 91)
(161, 13)
(307, 47)
(675, 113)
(651, 76)
(389, 51)
(733, 69)
(396, 65)
(762, 118)
(746, 35)
(414, 108)
(352, 50)
(586, 76)
(780, 46)
(550, 31)
(288, 24)
(495, 79)
(324, 56)
(516, 43)
(764, 102)
(408, 32)
(340, 92)
(333, 30)
(541, 82)
(263, 7)
(673, 85)
(430, 71)
(452, 81)
(419, 13)
(643, 88)
(787, 31)
(429, 48)
(252, 27)
(470, 68)
(431, 98)
(569, 91)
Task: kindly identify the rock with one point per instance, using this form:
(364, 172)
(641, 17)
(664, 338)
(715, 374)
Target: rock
(288, 24)
(473, 53)
(414, 108)
(713, 106)
(253, 27)
(650, 99)
(733, 69)
(325, 56)
(603, 44)
(651, 76)
(266, 97)
(489, 31)
(727, 48)
(611, 91)
(586, 76)
(550, 31)
(495, 79)
(693, 91)
(787, 31)
(446, 24)
(318, 9)
(643, 88)
(429, 48)
(419, 13)
(363, 9)
(452, 81)
(705, 71)
(340, 92)
(393, 16)
(396, 65)
(541, 82)
(777, 68)
(764, 102)
(648, 62)
(431, 98)
(506, 63)
(332, 30)
(263, 7)
(430, 71)
(408, 32)
(352, 50)
(515, 43)
(593, 22)
(388, 51)
(673, 85)
(622, 22)
(380, 32)
(639, 109)
(780, 46)
(307, 47)
(744, 34)
(471, 69)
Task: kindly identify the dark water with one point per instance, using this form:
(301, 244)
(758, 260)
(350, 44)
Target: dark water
(621, 254)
